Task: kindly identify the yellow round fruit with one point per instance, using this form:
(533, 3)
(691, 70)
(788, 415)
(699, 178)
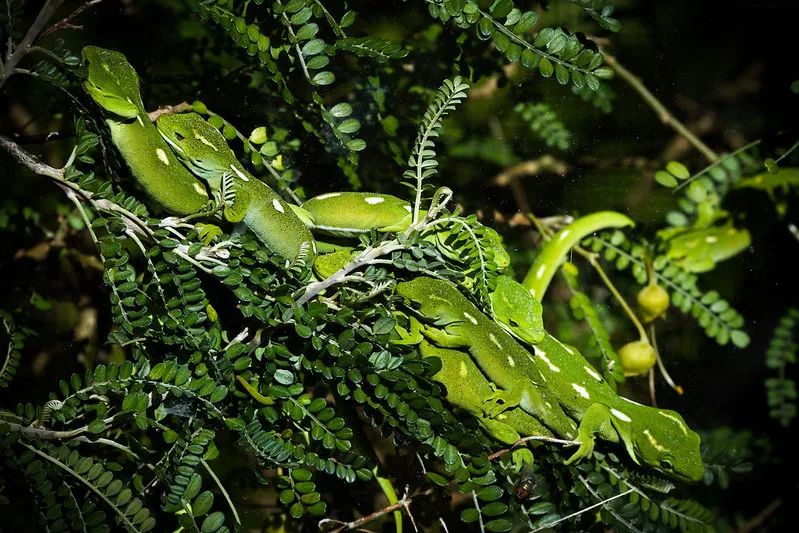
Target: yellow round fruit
(637, 358)
(653, 301)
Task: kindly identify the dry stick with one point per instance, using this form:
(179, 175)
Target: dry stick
(404, 503)
(760, 519)
(66, 22)
(657, 106)
(524, 440)
(12, 59)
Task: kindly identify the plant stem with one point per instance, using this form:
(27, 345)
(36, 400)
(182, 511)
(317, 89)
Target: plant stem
(657, 106)
(13, 58)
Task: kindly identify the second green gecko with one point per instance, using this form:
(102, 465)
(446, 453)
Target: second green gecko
(246, 198)
(114, 85)
(557, 385)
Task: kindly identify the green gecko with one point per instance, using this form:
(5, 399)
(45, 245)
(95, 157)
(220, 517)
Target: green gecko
(451, 321)
(114, 85)
(553, 253)
(699, 250)
(513, 306)
(467, 387)
(556, 381)
(346, 214)
(246, 198)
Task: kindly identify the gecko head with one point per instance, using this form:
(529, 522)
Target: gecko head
(666, 443)
(198, 144)
(112, 82)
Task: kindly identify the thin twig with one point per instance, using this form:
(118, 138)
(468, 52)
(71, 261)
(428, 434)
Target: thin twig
(524, 440)
(404, 503)
(657, 106)
(66, 22)
(364, 258)
(13, 58)
(762, 516)
(221, 487)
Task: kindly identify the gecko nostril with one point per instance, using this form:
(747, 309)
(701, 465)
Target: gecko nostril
(178, 136)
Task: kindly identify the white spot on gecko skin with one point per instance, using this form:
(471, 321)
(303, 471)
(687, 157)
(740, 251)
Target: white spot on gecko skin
(630, 401)
(652, 440)
(581, 391)
(374, 200)
(541, 271)
(240, 174)
(675, 419)
(106, 67)
(511, 362)
(409, 209)
(470, 318)
(198, 188)
(540, 353)
(162, 156)
(494, 340)
(565, 234)
(621, 416)
(593, 373)
(463, 371)
(710, 239)
(277, 205)
(328, 195)
(313, 246)
(205, 141)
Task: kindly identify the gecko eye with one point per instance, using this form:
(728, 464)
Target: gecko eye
(665, 464)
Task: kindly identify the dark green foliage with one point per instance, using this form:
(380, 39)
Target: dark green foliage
(376, 48)
(206, 374)
(552, 51)
(712, 312)
(13, 339)
(781, 353)
(726, 452)
(544, 122)
(601, 11)
(608, 362)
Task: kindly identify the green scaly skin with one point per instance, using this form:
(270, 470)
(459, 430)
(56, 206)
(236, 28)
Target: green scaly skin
(699, 250)
(514, 307)
(467, 387)
(114, 85)
(557, 375)
(452, 321)
(246, 198)
(346, 214)
(554, 251)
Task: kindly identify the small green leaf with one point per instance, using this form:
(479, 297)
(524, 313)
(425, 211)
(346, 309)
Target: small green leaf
(323, 78)
(501, 524)
(258, 135)
(545, 67)
(213, 522)
(739, 338)
(284, 377)
(771, 166)
(341, 110)
(665, 179)
(678, 170)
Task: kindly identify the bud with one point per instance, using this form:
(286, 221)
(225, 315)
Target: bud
(653, 301)
(637, 357)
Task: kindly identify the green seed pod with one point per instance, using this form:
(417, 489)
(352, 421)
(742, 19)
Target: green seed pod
(637, 357)
(653, 301)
